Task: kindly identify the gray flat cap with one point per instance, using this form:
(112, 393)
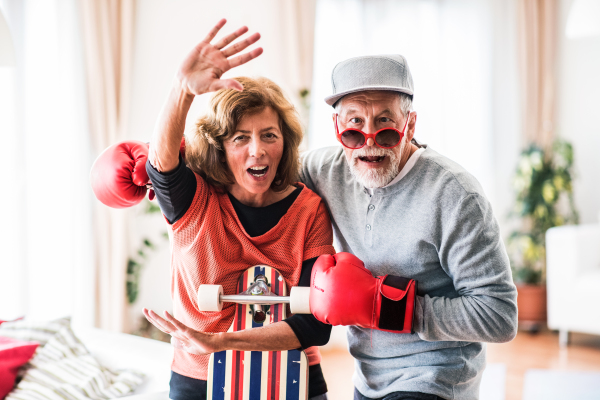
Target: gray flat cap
(384, 72)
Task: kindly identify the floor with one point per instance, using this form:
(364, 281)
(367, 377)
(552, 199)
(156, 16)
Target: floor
(527, 351)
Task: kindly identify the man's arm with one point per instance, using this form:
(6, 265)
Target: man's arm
(473, 255)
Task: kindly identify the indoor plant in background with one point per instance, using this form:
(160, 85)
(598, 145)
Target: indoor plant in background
(543, 185)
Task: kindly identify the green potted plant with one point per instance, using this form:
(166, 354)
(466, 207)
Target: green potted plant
(544, 198)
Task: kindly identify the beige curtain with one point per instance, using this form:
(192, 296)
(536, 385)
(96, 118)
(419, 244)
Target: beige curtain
(108, 27)
(297, 44)
(537, 51)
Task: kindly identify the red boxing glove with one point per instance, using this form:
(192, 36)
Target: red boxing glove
(344, 292)
(119, 175)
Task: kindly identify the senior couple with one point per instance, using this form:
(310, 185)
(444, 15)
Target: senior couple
(417, 222)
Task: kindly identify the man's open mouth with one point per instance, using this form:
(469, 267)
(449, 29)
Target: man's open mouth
(371, 159)
(258, 171)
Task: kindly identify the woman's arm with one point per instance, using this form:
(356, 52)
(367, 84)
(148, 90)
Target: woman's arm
(274, 337)
(199, 73)
(298, 331)
(164, 146)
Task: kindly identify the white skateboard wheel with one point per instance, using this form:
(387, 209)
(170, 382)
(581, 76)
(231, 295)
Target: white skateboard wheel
(209, 297)
(300, 300)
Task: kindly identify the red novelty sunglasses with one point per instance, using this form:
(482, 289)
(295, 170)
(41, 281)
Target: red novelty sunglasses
(385, 138)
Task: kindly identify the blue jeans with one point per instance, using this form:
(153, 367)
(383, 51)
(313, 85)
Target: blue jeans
(399, 396)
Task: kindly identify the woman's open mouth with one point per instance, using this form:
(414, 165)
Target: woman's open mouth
(258, 171)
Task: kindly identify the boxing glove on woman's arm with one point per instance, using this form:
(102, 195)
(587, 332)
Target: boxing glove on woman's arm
(344, 292)
(119, 175)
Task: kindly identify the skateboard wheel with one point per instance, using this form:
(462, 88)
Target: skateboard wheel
(209, 297)
(300, 300)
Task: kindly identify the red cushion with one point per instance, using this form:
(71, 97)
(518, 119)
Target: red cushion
(10, 320)
(13, 354)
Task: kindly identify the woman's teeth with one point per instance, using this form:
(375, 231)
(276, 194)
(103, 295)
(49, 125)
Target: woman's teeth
(258, 171)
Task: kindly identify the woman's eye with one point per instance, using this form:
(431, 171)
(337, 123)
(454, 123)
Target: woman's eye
(239, 138)
(270, 135)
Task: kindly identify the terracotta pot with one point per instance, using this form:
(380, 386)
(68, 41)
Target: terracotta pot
(531, 302)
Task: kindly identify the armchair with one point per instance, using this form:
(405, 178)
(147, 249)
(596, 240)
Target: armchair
(573, 279)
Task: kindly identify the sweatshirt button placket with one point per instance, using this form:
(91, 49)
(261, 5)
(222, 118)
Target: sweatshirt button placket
(370, 219)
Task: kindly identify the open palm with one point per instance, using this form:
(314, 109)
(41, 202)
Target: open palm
(203, 67)
(182, 336)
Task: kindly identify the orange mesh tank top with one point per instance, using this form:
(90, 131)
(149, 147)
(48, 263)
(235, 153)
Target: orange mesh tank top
(210, 246)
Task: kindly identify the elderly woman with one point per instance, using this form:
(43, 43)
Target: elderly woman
(235, 204)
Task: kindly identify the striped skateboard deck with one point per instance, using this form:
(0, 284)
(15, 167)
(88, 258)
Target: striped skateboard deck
(258, 375)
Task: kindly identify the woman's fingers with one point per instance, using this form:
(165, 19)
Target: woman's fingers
(226, 84)
(231, 37)
(244, 58)
(160, 323)
(154, 322)
(213, 32)
(239, 46)
(176, 324)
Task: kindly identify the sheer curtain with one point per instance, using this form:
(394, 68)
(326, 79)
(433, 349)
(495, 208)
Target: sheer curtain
(538, 22)
(462, 55)
(108, 29)
(45, 240)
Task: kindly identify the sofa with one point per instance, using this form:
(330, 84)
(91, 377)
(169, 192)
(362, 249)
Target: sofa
(573, 279)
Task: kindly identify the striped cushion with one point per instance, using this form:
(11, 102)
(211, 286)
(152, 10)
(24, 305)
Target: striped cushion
(64, 369)
(34, 331)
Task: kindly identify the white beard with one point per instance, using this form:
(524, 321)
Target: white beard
(375, 177)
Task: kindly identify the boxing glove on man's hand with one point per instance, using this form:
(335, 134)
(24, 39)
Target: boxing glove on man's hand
(119, 175)
(344, 292)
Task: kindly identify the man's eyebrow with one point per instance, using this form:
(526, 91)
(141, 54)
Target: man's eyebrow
(387, 111)
(350, 111)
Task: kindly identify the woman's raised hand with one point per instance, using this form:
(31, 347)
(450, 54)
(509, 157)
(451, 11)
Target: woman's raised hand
(203, 67)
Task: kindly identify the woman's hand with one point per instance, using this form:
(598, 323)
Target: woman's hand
(182, 336)
(203, 67)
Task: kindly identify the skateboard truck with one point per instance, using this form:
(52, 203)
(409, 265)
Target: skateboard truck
(260, 287)
(258, 295)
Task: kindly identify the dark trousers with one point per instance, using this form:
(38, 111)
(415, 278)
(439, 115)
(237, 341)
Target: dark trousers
(399, 396)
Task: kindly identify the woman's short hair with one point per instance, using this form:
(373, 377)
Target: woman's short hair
(204, 147)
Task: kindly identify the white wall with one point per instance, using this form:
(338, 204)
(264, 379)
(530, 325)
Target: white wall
(578, 107)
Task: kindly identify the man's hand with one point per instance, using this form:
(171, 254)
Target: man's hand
(183, 337)
(203, 67)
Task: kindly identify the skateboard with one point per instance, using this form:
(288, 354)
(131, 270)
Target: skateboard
(257, 375)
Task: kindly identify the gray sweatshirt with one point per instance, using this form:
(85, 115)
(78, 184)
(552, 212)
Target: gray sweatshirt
(436, 226)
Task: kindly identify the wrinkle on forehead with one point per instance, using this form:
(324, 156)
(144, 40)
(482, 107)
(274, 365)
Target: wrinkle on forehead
(372, 102)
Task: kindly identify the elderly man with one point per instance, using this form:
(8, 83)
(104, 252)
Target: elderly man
(405, 210)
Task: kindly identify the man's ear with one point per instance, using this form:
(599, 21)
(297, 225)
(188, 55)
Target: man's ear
(412, 123)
